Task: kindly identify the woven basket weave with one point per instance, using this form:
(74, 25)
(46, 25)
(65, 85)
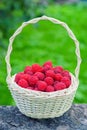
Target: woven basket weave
(38, 104)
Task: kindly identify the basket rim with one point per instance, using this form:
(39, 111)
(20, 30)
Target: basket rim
(73, 87)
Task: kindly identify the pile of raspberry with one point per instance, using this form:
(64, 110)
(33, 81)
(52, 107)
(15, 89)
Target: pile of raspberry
(45, 78)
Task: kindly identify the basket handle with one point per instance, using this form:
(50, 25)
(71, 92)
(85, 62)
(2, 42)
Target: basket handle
(35, 20)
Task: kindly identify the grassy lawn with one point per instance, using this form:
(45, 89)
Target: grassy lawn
(45, 41)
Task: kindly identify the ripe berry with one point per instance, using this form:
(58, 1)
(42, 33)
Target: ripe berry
(49, 80)
(28, 70)
(41, 85)
(45, 68)
(58, 69)
(49, 88)
(49, 63)
(23, 83)
(32, 88)
(18, 76)
(33, 80)
(36, 89)
(58, 77)
(66, 80)
(36, 68)
(40, 75)
(50, 73)
(26, 77)
(55, 82)
(59, 86)
(66, 73)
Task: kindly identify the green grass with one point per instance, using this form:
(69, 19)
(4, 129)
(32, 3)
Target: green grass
(45, 41)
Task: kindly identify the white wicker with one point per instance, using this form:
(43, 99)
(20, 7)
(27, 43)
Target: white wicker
(38, 104)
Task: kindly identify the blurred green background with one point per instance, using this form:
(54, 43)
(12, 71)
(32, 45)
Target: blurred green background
(43, 41)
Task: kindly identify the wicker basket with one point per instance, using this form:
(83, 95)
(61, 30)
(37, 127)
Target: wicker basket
(38, 104)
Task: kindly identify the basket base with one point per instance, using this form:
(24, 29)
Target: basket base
(44, 116)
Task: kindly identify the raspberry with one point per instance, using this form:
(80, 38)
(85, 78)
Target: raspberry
(33, 80)
(56, 82)
(50, 73)
(36, 68)
(40, 75)
(18, 76)
(58, 76)
(30, 88)
(23, 83)
(28, 70)
(41, 85)
(49, 88)
(59, 86)
(45, 68)
(66, 80)
(58, 69)
(49, 80)
(48, 63)
(26, 77)
(36, 88)
(66, 73)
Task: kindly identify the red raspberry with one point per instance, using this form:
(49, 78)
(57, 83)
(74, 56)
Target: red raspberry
(40, 75)
(49, 88)
(33, 80)
(50, 73)
(66, 80)
(59, 86)
(36, 68)
(30, 88)
(56, 82)
(23, 83)
(18, 76)
(26, 77)
(49, 80)
(58, 69)
(45, 68)
(36, 89)
(41, 85)
(58, 76)
(66, 73)
(49, 63)
(28, 70)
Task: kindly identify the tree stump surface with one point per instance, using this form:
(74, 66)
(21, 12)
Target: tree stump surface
(74, 119)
